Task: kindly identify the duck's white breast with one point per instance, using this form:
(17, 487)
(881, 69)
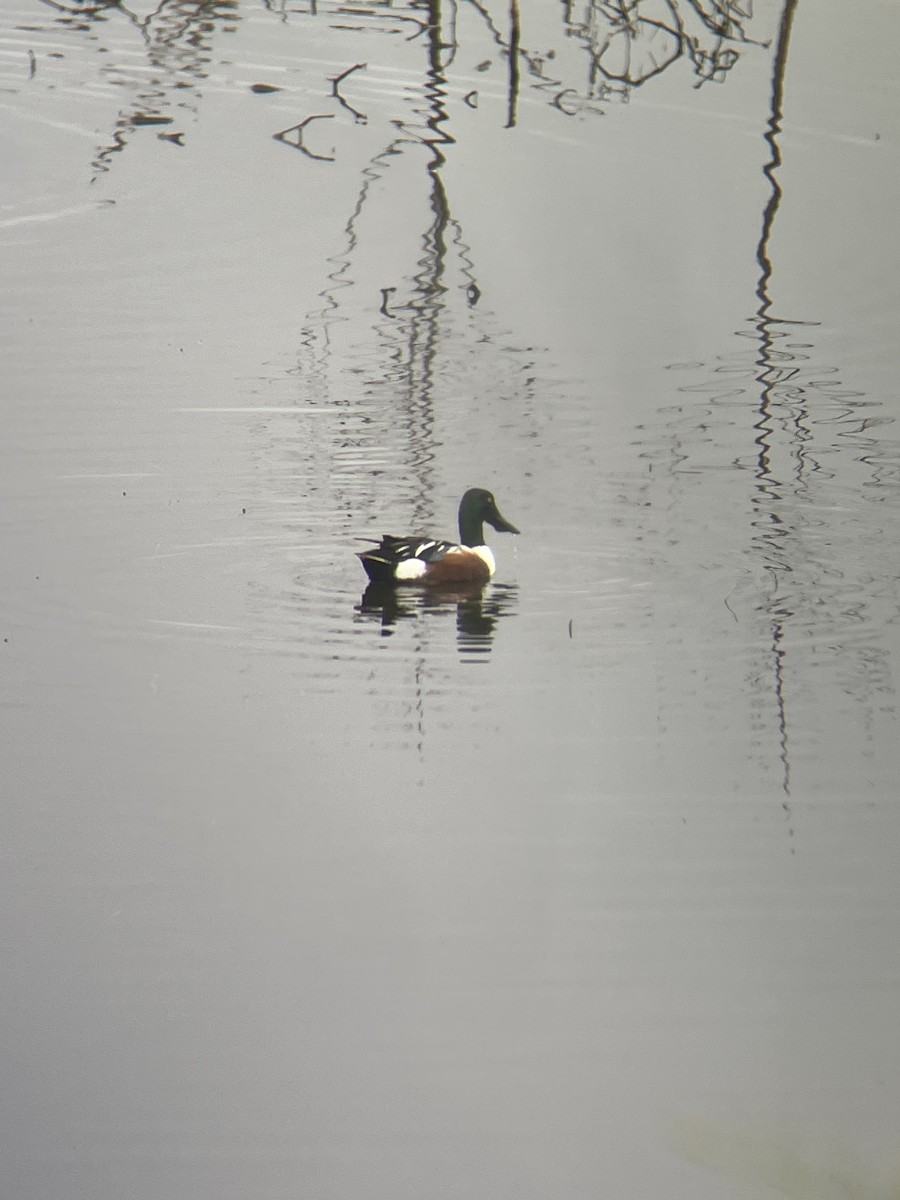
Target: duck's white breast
(486, 555)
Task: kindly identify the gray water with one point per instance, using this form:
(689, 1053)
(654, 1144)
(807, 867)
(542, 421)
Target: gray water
(581, 887)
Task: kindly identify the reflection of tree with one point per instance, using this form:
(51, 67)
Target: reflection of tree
(626, 43)
(177, 39)
(818, 453)
(630, 41)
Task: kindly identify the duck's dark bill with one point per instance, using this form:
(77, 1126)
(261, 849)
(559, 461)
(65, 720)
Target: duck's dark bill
(500, 523)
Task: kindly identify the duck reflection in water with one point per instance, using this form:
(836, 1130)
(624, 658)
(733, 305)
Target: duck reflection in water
(477, 609)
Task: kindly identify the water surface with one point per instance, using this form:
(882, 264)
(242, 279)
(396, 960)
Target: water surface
(581, 886)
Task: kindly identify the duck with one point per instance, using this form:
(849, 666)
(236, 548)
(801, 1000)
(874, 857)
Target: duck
(431, 562)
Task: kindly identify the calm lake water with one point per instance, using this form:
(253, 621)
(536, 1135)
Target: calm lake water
(582, 887)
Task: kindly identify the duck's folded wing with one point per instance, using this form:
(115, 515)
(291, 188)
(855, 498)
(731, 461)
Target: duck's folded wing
(425, 549)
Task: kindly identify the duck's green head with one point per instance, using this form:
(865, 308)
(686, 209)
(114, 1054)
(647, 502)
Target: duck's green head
(477, 506)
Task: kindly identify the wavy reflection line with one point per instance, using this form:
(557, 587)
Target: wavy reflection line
(774, 533)
(771, 168)
(426, 307)
(340, 278)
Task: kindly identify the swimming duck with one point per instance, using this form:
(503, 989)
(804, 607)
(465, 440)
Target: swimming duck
(427, 561)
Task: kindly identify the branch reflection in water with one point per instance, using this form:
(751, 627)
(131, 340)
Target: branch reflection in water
(609, 48)
(816, 588)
